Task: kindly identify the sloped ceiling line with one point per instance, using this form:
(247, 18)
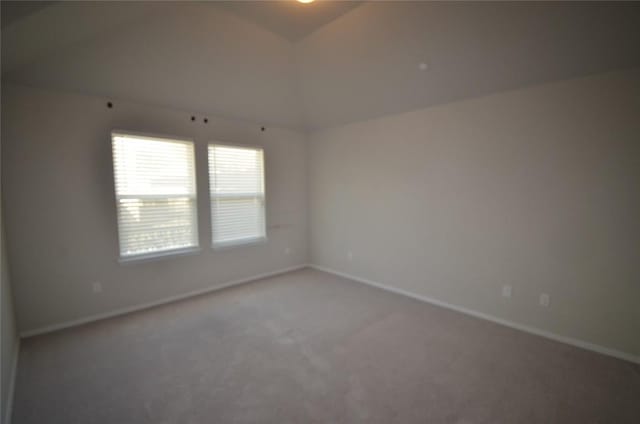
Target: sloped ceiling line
(313, 66)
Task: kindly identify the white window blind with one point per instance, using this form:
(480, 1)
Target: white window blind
(155, 194)
(236, 184)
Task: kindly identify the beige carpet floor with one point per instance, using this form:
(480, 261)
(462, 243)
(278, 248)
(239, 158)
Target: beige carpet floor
(310, 347)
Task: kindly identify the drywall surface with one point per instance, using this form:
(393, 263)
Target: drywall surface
(60, 211)
(365, 64)
(9, 337)
(176, 54)
(535, 188)
(231, 59)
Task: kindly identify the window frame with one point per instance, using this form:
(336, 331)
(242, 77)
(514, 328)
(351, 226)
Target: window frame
(247, 242)
(160, 254)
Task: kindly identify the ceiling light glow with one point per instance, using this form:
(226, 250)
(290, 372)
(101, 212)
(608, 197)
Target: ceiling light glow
(305, 1)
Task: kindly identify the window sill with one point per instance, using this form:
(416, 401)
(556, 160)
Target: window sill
(239, 243)
(167, 254)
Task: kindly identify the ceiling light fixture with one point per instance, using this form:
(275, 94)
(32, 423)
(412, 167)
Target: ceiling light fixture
(305, 1)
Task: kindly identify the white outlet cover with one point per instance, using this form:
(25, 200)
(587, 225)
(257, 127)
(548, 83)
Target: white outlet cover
(97, 286)
(506, 291)
(287, 251)
(544, 299)
(350, 255)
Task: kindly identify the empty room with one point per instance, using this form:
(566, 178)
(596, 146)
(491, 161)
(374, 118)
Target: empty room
(303, 211)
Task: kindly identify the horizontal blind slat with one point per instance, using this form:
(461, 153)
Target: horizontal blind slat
(236, 181)
(156, 194)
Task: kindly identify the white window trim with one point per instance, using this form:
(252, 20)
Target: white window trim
(162, 254)
(249, 241)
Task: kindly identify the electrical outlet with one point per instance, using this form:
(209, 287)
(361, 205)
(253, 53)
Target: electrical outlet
(544, 299)
(287, 251)
(506, 291)
(350, 255)
(97, 286)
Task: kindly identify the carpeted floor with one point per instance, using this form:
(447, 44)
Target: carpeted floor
(310, 347)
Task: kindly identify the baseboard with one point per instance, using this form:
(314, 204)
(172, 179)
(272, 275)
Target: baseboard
(12, 385)
(522, 327)
(140, 307)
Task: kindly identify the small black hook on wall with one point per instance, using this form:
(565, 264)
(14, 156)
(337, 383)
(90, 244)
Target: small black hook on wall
(263, 129)
(109, 105)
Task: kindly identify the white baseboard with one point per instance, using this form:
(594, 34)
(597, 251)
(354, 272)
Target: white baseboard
(129, 309)
(12, 385)
(522, 327)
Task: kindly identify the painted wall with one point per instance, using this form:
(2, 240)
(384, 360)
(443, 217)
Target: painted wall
(61, 214)
(536, 188)
(9, 336)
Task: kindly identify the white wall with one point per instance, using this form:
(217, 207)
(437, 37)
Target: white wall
(536, 188)
(60, 210)
(8, 335)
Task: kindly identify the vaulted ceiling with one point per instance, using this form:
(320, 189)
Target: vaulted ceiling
(290, 19)
(311, 66)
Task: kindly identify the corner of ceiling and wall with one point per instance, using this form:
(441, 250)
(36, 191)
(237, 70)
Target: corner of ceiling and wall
(310, 66)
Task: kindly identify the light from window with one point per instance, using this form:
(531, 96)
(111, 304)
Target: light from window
(155, 194)
(236, 184)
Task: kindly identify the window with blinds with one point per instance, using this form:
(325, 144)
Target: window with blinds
(236, 184)
(155, 194)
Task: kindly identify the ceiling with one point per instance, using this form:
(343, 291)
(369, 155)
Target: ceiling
(311, 66)
(13, 11)
(366, 64)
(290, 19)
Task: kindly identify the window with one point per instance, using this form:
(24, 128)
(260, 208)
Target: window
(155, 194)
(236, 185)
